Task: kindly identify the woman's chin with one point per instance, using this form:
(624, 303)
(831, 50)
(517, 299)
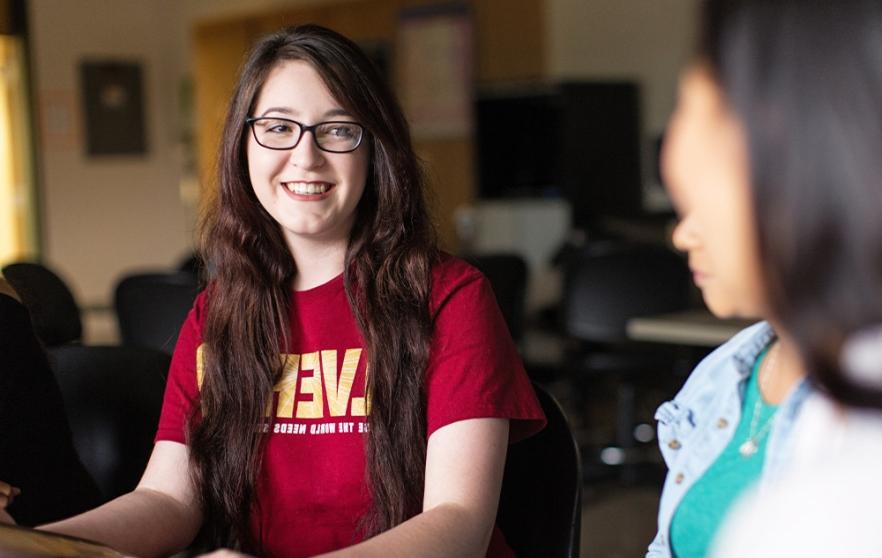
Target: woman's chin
(723, 309)
(726, 310)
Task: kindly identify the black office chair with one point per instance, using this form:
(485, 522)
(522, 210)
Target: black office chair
(540, 507)
(507, 274)
(605, 286)
(151, 307)
(54, 311)
(112, 397)
(194, 265)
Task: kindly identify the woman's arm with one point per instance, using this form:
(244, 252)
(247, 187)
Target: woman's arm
(464, 466)
(160, 517)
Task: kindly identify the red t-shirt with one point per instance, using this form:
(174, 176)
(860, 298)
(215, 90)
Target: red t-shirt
(312, 490)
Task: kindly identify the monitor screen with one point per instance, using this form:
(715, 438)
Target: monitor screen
(578, 140)
(518, 144)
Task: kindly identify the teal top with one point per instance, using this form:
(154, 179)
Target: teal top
(704, 506)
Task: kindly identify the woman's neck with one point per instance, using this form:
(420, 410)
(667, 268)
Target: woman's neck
(786, 370)
(316, 262)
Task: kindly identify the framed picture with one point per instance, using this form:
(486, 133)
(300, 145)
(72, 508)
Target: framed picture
(434, 55)
(113, 99)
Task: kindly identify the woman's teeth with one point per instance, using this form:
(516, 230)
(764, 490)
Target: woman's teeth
(306, 188)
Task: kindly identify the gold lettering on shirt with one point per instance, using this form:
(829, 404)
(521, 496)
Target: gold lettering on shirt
(324, 383)
(287, 388)
(311, 385)
(361, 406)
(337, 393)
(200, 370)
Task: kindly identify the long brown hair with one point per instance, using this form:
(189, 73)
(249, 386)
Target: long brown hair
(387, 277)
(805, 78)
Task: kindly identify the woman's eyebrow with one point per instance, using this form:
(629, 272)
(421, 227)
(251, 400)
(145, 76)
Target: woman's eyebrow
(335, 112)
(283, 110)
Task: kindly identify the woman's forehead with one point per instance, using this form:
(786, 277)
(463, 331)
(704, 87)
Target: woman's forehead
(295, 85)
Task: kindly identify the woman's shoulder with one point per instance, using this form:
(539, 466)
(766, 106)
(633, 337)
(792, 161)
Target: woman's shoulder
(200, 305)
(745, 346)
(829, 434)
(450, 268)
(451, 273)
(453, 276)
(828, 502)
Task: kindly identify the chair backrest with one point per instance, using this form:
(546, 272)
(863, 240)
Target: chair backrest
(194, 265)
(151, 307)
(54, 311)
(112, 398)
(606, 285)
(507, 274)
(540, 507)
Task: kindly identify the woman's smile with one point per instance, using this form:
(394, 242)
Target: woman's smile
(308, 190)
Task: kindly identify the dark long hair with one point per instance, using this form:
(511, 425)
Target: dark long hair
(805, 78)
(387, 278)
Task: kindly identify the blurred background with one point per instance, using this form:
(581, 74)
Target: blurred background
(95, 215)
(539, 122)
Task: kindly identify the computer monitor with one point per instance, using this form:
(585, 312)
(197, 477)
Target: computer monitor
(518, 143)
(579, 140)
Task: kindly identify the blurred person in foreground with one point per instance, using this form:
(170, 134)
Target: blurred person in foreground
(41, 476)
(772, 159)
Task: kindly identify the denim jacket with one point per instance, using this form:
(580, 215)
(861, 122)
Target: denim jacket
(695, 427)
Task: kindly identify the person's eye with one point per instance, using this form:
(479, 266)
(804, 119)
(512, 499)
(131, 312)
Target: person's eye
(279, 128)
(275, 127)
(342, 131)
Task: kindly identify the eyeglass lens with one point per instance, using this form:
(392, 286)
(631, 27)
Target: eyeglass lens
(281, 133)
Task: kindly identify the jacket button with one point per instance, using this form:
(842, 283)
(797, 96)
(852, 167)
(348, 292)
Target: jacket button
(722, 423)
(674, 444)
(679, 478)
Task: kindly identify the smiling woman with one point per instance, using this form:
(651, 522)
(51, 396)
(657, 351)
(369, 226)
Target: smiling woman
(342, 386)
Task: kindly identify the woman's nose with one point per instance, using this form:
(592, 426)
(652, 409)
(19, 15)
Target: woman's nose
(306, 154)
(685, 234)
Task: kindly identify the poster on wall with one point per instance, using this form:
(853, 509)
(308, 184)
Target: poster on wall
(434, 63)
(113, 108)
(58, 119)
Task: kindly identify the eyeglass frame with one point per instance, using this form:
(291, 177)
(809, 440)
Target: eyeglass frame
(303, 129)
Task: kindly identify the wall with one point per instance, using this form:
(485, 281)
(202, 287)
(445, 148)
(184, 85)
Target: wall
(206, 10)
(646, 40)
(104, 216)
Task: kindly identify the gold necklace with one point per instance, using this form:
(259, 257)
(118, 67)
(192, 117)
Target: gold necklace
(751, 445)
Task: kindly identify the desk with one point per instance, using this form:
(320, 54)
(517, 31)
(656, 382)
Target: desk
(692, 327)
(24, 542)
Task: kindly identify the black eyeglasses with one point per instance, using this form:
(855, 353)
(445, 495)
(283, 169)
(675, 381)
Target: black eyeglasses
(283, 133)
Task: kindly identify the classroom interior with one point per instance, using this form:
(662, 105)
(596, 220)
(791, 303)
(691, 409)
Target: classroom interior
(546, 149)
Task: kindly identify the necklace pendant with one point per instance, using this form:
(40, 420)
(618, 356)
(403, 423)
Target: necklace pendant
(748, 448)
